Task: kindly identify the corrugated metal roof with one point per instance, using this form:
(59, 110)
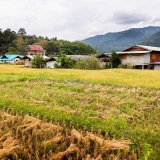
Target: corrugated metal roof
(78, 57)
(151, 48)
(31, 57)
(9, 57)
(133, 52)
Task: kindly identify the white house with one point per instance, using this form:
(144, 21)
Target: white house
(50, 62)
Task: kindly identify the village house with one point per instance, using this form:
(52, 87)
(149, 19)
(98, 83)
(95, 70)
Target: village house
(35, 50)
(50, 62)
(28, 58)
(103, 58)
(10, 58)
(140, 56)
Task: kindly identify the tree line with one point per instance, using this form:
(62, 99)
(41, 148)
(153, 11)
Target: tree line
(12, 42)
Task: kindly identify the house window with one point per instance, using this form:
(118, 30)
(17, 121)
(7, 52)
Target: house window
(123, 56)
(153, 56)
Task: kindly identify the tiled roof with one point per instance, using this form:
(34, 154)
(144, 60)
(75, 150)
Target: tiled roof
(35, 48)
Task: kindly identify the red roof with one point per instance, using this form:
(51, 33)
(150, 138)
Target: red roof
(36, 48)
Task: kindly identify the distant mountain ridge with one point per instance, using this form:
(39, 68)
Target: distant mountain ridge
(117, 41)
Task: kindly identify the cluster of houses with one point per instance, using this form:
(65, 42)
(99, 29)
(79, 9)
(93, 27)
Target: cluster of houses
(139, 56)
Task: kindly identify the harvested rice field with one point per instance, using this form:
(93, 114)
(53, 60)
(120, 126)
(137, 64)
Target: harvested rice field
(79, 114)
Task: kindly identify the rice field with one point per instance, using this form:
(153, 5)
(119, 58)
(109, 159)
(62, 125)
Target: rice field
(114, 106)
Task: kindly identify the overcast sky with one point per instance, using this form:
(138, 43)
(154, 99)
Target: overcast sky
(77, 19)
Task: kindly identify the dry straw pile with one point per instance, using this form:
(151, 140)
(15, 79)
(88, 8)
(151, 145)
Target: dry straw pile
(28, 138)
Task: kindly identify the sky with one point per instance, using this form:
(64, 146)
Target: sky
(77, 19)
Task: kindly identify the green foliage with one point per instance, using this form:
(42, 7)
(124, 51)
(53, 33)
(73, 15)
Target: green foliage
(18, 43)
(6, 40)
(108, 65)
(115, 60)
(126, 66)
(37, 61)
(52, 47)
(64, 62)
(22, 31)
(91, 63)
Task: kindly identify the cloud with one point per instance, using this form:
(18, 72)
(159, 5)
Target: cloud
(125, 18)
(76, 20)
(156, 19)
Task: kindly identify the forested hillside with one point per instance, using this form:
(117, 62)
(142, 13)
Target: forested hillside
(12, 42)
(153, 40)
(119, 40)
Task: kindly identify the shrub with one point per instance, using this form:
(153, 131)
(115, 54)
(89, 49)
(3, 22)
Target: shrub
(127, 66)
(64, 62)
(20, 62)
(91, 63)
(37, 61)
(115, 60)
(107, 65)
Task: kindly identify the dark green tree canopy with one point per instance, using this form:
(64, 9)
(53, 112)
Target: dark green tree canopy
(6, 40)
(115, 60)
(22, 31)
(18, 43)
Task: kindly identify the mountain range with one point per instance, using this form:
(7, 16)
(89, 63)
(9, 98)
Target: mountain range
(118, 41)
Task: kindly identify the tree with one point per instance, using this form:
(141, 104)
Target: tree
(115, 60)
(52, 47)
(6, 40)
(21, 46)
(37, 61)
(22, 31)
(64, 62)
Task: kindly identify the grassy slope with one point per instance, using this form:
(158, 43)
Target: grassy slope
(124, 103)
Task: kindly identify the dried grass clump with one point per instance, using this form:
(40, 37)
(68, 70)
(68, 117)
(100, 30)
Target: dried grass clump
(9, 145)
(71, 149)
(31, 138)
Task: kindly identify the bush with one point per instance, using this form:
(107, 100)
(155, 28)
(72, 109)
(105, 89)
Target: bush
(91, 63)
(115, 60)
(108, 65)
(37, 61)
(127, 66)
(20, 62)
(64, 62)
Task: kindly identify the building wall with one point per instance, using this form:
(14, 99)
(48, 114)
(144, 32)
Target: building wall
(36, 53)
(50, 64)
(27, 62)
(155, 57)
(133, 59)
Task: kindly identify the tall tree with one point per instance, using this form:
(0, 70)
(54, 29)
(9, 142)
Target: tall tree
(115, 60)
(6, 40)
(22, 31)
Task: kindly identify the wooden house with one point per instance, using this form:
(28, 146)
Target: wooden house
(103, 58)
(140, 56)
(28, 58)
